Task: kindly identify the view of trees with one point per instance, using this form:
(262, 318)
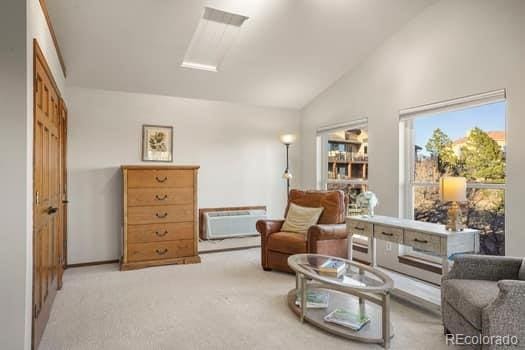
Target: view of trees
(480, 159)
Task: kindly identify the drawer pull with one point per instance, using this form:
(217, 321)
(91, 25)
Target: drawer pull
(387, 234)
(161, 234)
(420, 240)
(359, 228)
(161, 180)
(159, 198)
(161, 216)
(161, 252)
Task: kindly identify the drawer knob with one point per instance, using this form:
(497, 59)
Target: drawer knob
(161, 234)
(161, 180)
(161, 252)
(420, 240)
(161, 216)
(389, 234)
(161, 198)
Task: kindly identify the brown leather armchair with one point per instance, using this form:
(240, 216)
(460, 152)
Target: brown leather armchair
(328, 237)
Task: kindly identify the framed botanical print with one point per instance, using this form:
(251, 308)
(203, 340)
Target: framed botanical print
(157, 143)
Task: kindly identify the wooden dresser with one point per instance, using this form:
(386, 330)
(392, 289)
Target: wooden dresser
(160, 224)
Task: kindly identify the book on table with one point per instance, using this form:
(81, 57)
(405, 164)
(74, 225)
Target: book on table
(347, 318)
(332, 267)
(314, 299)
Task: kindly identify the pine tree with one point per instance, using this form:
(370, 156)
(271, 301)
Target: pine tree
(440, 148)
(482, 157)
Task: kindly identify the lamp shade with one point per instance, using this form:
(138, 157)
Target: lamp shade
(453, 189)
(288, 139)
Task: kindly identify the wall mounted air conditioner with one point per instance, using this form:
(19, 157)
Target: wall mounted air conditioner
(232, 223)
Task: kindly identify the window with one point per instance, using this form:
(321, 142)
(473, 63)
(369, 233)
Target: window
(466, 141)
(343, 160)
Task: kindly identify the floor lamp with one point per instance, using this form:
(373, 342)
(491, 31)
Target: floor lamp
(287, 140)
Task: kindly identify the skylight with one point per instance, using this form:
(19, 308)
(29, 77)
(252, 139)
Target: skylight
(215, 34)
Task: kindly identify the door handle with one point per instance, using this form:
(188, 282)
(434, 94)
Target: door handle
(51, 210)
(65, 201)
(161, 234)
(161, 198)
(161, 216)
(387, 234)
(161, 252)
(420, 240)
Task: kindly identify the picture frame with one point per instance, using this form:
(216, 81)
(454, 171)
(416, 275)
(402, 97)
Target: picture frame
(157, 143)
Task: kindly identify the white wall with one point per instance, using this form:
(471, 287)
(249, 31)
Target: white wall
(452, 49)
(237, 147)
(13, 209)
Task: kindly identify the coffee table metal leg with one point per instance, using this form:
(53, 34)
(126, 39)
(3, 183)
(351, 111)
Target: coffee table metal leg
(386, 320)
(303, 297)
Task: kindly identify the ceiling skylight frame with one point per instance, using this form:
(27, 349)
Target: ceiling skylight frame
(214, 36)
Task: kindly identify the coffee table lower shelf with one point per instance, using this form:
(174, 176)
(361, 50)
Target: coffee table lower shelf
(370, 333)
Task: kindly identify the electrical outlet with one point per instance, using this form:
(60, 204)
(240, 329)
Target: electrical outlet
(388, 246)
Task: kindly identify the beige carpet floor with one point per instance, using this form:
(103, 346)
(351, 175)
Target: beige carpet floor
(226, 302)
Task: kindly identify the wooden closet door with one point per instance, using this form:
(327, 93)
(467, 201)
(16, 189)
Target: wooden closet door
(47, 196)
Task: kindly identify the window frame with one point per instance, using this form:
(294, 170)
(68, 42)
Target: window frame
(407, 155)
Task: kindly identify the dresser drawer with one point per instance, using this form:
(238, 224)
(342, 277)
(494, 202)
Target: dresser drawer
(160, 250)
(423, 241)
(160, 232)
(387, 233)
(160, 178)
(359, 228)
(160, 214)
(159, 196)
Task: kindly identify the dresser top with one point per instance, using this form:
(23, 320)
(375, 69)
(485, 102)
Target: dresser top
(157, 167)
(427, 227)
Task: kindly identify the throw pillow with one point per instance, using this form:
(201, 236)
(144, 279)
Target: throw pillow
(299, 219)
(521, 275)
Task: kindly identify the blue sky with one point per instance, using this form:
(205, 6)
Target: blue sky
(455, 124)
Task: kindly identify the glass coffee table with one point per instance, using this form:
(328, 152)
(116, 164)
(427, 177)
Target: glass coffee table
(361, 290)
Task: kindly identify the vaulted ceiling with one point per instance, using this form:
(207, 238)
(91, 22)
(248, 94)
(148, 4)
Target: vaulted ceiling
(288, 51)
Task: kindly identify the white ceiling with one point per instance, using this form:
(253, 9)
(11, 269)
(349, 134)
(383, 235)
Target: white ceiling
(288, 52)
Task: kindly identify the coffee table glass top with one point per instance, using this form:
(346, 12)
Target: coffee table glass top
(355, 275)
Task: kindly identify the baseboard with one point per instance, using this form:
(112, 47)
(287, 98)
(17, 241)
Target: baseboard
(92, 263)
(230, 249)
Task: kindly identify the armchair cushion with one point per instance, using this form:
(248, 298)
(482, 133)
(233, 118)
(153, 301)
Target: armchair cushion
(470, 297)
(287, 242)
(299, 219)
(521, 274)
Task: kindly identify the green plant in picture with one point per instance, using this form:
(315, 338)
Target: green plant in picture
(482, 158)
(440, 148)
(157, 142)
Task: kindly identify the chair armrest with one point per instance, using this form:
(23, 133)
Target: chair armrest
(484, 267)
(506, 314)
(326, 232)
(267, 227)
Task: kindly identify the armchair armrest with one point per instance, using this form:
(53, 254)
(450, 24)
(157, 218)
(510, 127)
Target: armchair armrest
(326, 232)
(506, 314)
(484, 267)
(267, 227)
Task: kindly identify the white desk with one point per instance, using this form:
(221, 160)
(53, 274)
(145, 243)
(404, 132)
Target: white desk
(429, 237)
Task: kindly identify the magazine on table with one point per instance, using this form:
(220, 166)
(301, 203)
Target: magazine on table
(346, 318)
(314, 299)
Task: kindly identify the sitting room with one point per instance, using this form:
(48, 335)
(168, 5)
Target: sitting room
(262, 174)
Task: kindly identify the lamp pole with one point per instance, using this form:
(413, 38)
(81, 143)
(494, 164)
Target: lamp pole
(287, 140)
(287, 171)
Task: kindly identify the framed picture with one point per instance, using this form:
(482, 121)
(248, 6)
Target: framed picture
(157, 143)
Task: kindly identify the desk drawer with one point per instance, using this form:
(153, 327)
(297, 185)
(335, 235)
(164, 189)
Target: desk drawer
(160, 214)
(160, 250)
(356, 227)
(160, 178)
(159, 196)
(423, 241)
(387, 233)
